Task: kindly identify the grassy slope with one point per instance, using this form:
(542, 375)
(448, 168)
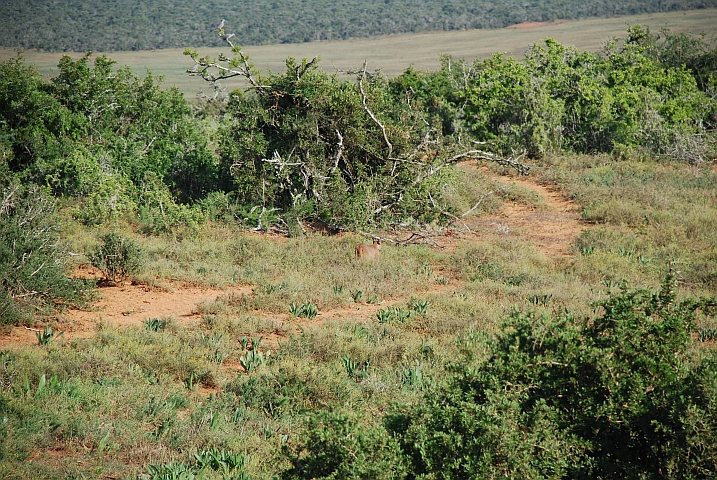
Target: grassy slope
(393, 54)
(130, 397)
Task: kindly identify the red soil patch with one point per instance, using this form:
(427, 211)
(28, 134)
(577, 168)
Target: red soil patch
(527, 25)
(124, 305)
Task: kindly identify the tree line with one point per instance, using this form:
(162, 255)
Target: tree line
(93, 25)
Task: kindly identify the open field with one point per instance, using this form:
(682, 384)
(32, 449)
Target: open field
(393, 54)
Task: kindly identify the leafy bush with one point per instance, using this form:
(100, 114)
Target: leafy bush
(311, 146)
(559, 98)
(93, 128)
(117, 257)
(158, 210)
(623, 395)
(337, 446)
(32, 261)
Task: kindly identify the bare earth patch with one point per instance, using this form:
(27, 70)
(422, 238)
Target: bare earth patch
(552, 230)
(528, 25)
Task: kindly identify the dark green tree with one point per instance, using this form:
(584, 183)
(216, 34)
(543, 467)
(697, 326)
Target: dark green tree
(307, 145)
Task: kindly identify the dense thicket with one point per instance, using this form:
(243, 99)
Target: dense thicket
(306, 145)
(642, 94)
(620, 395)
(82, 25)
(108, 137)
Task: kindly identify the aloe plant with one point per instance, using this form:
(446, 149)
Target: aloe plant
(253, 359)
(47, 336)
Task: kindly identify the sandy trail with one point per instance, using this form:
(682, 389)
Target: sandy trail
(552, 230)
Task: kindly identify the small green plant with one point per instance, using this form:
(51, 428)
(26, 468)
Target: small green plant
(215, 340)
(355, 369)
(220, 460)
(356, 295)
(441, 280)
(707, 334)
(387, 314)
(253, 359)
(338, 289)
(401, 315)
(360, 332)
(154, 324)
(384, 315)
(218, 357)
(47, 336)
(192, 380)
(227, 464)
(373, 300)
(426, 269)
(117, 257)
(419, 306)
(269, 289)
(306, 310)
(104, 445)
(540, 299)
(295, 309)
(412, 376)
(611, 284)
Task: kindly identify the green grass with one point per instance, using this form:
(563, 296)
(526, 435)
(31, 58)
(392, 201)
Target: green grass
(127, 398)
(393, 54)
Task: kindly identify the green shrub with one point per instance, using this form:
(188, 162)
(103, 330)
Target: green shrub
(622, 395)
(336, 445)
(32, 270)
(117, 257)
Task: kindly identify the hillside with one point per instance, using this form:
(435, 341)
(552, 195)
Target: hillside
(82, 25)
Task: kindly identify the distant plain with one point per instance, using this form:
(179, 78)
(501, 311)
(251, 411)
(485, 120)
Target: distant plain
(394, 53)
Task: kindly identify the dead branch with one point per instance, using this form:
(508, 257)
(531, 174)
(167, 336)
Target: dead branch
(339, 151)
(480, 199)
(370, 114)
(419, 239)
(202, 65)
(522, 168)
(302, 69)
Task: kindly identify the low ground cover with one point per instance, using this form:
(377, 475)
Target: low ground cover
(251, 384)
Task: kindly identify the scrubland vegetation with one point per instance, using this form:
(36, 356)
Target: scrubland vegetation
(132, 25)
(486, 359)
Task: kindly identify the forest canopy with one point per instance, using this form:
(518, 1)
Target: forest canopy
(84, 25)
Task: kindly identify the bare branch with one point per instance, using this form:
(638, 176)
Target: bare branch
(302, 69)
(370, 114)
(339, 151)
(420, 239)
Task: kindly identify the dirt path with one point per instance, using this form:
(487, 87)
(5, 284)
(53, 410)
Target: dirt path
(551, 229)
